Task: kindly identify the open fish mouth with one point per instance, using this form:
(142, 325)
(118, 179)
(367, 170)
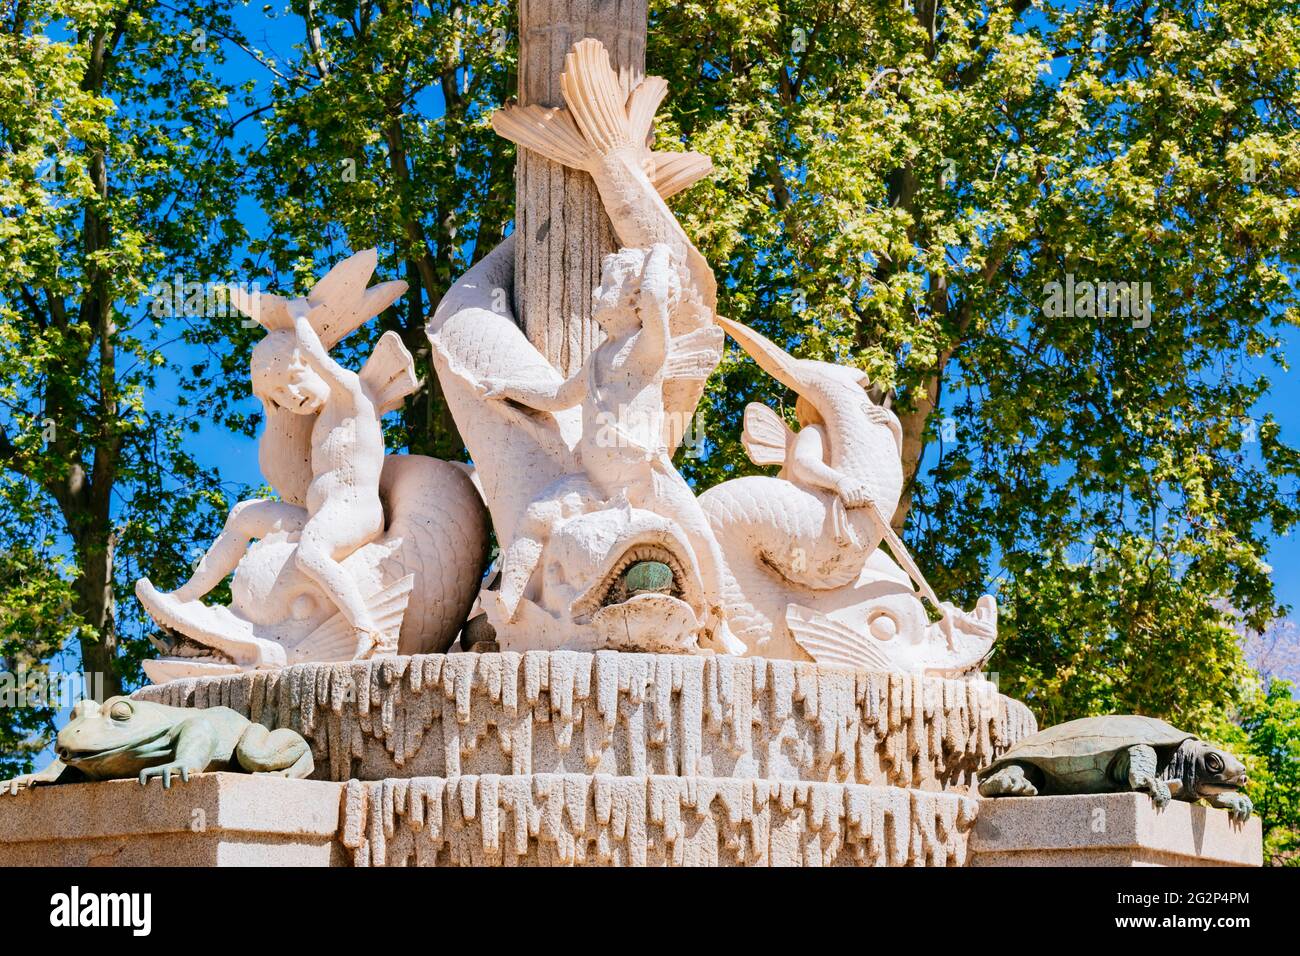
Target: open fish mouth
(671, 588)
(178, 647)
(182, 656)
(195, 633)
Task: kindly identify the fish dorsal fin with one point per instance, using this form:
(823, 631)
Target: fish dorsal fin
(389, 374)
(765, 436)
(694, 355)
(595, 99)
(334, 640)
(550, 132)
(674, 172)
(830, 642)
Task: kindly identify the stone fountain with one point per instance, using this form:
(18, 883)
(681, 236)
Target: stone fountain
(643, 676)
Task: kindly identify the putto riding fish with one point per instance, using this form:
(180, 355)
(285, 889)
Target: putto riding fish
(606, 133)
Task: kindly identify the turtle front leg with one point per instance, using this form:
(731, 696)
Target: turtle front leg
(1142, 775)
(1237, 804)
(1009, 781)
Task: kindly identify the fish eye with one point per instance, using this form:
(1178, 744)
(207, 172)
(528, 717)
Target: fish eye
(1213, 763)
(121, 711)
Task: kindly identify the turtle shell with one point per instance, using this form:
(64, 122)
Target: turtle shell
(1088, 740)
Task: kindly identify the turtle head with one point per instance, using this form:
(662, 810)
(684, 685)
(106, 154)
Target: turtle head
(1213, 770)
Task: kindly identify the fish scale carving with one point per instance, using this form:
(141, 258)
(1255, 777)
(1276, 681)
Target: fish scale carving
(619, 714)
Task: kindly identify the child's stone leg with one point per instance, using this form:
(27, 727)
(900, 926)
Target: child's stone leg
(520, 559)
(255, 518)
(330, 536)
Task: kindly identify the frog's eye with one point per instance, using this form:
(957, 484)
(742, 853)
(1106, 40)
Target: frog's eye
(121, 711)
(1213, 762)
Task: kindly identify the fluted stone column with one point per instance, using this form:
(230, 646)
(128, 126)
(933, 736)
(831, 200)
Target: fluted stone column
(563, 232)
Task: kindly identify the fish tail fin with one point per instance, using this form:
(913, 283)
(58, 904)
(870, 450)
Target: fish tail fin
(550, 132)
(674, 172)
(642, 106)
(599, 120)
(596, 101)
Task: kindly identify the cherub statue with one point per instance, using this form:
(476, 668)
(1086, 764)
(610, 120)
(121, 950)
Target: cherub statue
(293, 373)
(806, 576)
(623, 449)
(343, 507)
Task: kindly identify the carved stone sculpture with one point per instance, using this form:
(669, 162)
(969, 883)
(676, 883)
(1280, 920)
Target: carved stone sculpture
(806, 578)
(123, 738)
(604, 545)
(1115, 753)
(578, 472)
(362, 554)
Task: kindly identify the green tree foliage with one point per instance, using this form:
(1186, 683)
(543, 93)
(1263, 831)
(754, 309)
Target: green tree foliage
(377, 135)
(1265, 733)
(898, 187)
(1271, 721)
(114, 128)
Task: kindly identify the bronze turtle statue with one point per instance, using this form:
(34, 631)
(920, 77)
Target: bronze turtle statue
(1119, 753)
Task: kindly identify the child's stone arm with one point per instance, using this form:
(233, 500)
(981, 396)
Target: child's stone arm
(543, 398)
(809, 466)
(652, 305)
(319, 359)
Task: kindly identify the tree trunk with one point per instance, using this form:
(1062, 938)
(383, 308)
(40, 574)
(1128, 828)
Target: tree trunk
(563, 232)
(97, 608)
(913, 422)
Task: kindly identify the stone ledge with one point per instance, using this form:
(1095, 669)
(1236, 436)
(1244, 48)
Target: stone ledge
(227, 819)
(623, 714)
(1113, 829)
(575, 819)
(216, 819)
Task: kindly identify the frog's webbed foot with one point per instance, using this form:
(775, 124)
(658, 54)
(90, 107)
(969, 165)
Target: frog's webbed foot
(282, 752)
(1237, 804)
(51, 774)
(165, 771)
